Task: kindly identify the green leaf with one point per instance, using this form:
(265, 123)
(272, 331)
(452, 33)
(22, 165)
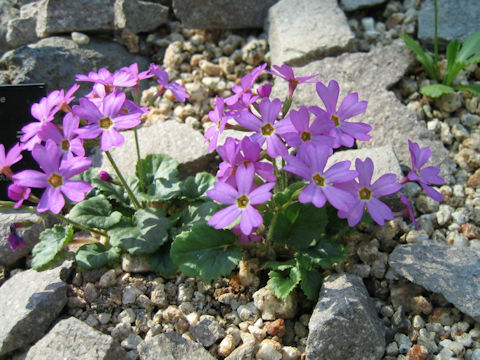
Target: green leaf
(95, 212)
(470, 47)
(436, 90)
(150, 232)
(473, 60)
(299, 225)
(452, 52)
(50, 248)
(473, 88)
(161, 261)
(206, 252)
(112, 191)
(160, 175)
(195, 187)
(283, 197)
(95, 255)
(283, 285)
(198, 212)
(423, 57)
(279, 265)
(324, 254)
(311, 282)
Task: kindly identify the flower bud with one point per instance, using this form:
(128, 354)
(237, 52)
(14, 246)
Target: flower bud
(104, 176)
(264, 90)
(15, 240)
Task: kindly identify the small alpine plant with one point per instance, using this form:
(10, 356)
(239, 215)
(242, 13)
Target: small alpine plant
(275, 188)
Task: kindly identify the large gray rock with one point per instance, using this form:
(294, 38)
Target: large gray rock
(300, 31)
(56, 60)
(456, 20)
(344, 323)
(29, 234)
(451, 271)
(172, 346)
(179, 141)
(21, 31)
(73, 339)
(31, 301)
(7, 12)
(132, 14)
(371, 75)
(64, 16)
(351, 5)
(222, 14)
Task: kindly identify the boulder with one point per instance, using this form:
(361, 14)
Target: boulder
(7, 12)
(352, 5)
(130, 14)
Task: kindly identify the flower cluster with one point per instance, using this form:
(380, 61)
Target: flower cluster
(302, 140)
(56, 138)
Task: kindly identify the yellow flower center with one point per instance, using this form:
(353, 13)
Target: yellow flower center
(319, 180)
(242, 201)
(55, 180)
(335, 119)
(65, 145)
(365, 193)
(267, 129)
(106, 123)
(306, 136)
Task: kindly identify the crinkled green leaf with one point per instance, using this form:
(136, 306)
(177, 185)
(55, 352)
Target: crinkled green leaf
(423, 57)
(436, 90)
(324, 254)
(161, 262)
(206, 252)
(95, 212)
(195, 187)
(471, 46)
(299, 225)
(150, 232)
(310, 282)
(283, 285)
(112, 191)
(198, 212)
(95, 255)
(473, 88)
(50, 248)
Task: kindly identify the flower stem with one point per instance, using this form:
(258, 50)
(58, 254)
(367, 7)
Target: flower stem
(80, 226)
(435, 40)
(139, 158)
(122, 180)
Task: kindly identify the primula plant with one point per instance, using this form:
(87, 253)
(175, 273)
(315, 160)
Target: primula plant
(275, 189)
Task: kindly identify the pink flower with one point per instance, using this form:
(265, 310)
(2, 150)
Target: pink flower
(55, 177)
(18, 193)
(241, 201)
(44, 112)
(106, 121)
(245, 239)
(62, 100)
(109, 80)
(219, 120)
(366, 194)
(286, 73)
(6, 161)
(16, 241)
(242, 96)
(132, 70)
(162, 78)
(410, 211)
(344, 132)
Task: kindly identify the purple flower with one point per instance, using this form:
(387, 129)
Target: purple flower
(104, 176)
(220, 120)
(44, 112)
(305, 133)
(229, 153)
(106, 121)
(309, 163)
(238, 99)
(344, 132)
(62, 100)
(286, 73)
(109, 80)
(16, 241)
(410, 212)
(132, 70)
(366, 194)
(68, 142)
(265, 127)
(240, 200)
(6, 161)
(162, 78)
(245, 239)
(265, 90)
(19, 194)
(426, 176)
(55, 178)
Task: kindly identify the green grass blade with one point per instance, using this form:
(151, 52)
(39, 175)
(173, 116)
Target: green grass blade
(470, 47)
(424, 58)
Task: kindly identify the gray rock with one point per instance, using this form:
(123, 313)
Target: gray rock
(300, 31)
(370, 75)
(451, 271)
(172, 346)
(243, 352)
(29, 234)
(222, 14)
(56, 60)
(73, 339)
(31, 301)
(170, 137)
(63, 16)
(131, 14)
(7, 12)
(21, 31)
(207, 332)
(456, 20)
(351, 5)
(344, 323)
